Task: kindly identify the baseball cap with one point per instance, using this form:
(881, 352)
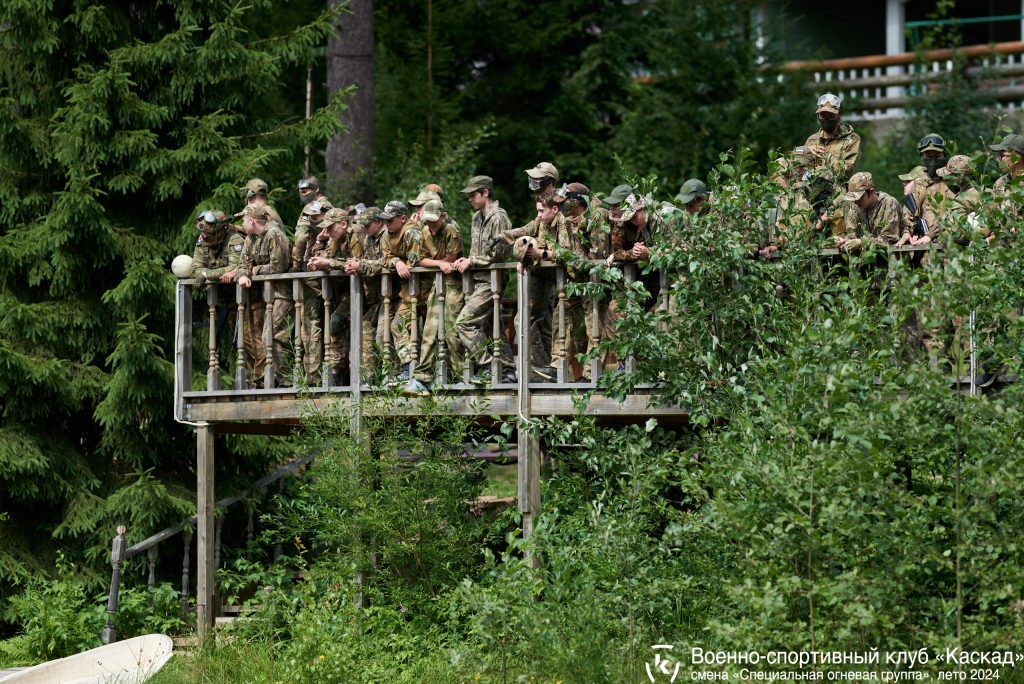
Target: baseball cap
(309, 182)
(543, 170)
(423, 197)
(1013, 142)
(255, 186)
(692, 188)
(618, 194)
(918, 173)
(958, 165)
(572, 191)
(858, 185)
(257, 212)
(432, 210)
(829, 102)
(335, 215)
(316, 207)
(392, 209)
(478, 183)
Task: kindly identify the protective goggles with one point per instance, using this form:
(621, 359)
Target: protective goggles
(564, 193)
(931, 141)
(207, 216)
(828, 99)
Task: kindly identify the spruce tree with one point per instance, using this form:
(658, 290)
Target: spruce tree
(118, 120)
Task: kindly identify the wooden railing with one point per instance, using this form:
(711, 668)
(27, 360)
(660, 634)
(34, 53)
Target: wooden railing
(332, 285)
(151, 545)
(881, 86)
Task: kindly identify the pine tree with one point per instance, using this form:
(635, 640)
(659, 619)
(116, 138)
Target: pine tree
(119, 119)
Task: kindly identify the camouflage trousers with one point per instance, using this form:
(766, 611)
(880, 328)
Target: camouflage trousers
(312, 332)
(562, 347)
(474, 324)
(402, 327)
(336, 348)
(542, 286)
(255, 327)
(430, 344)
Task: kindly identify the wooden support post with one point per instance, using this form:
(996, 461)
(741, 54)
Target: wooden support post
(469, 366)
(441, 343)
(355, 354)
(596, 364)
(241, 301)
(268, 334)
(183, 345)
(325, 292)
(560, 351)
(496, 370)
(298, 302)
(213, 371)
(663, 295)
(528, 447)
(205, 530)
(109, 634)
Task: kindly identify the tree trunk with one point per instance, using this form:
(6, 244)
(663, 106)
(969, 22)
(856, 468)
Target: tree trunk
(350, 61)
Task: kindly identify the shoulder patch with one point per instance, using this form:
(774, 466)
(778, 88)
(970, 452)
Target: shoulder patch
(238, 248)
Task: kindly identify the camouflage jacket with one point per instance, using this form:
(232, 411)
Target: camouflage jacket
(338, 252)
(882, 223)
(559, 233)
(593, 232)
(625, 235)
(304, 245)
(372, 259)
(216, 260)
(841, 152)
(930, 200)
(446, 245)
(486, 245)
(267, 254)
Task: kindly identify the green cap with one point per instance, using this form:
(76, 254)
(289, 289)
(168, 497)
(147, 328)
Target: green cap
(1013, 142)
(335, 215)
(478, 183)
(618, 194)
(918, 173)
(692, 188)
(367, 215)
(255, 186)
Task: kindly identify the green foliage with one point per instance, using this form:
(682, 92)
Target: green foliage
(118, 120)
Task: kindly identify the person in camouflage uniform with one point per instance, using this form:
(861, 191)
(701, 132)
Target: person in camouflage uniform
(310, 189)
(542, 178)
(588, 220)
(1006, 191)
(553, 238)
(311, 333)
(266, 252)
(928, 194)
(337, 243)
(633, 230)
(217, 254)
(422, 198)
(486, 247)
(400, 246)
(368, 265)
(871, 216)
(440, 247)
(958, 174)
(255, 193)
(835, 147)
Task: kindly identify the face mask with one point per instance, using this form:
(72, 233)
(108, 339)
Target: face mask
(306, 199)
(535, 184)
(829, 125)
(933, 164)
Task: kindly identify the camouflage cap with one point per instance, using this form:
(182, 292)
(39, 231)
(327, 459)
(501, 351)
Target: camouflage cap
(432, 210)
(256, 211)
(310, 182)
(367, 215)
(392, 209)
(522, 244)
(631, 205)
(858, 185)
(424, 197)
(255, 186)
(692, 188)
(918, 173)
(543, 170)
(958, 165)
(618, 194)
(316, 207)
(1013, 142)
(829, 102)
(478, 183)
(335, 215)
